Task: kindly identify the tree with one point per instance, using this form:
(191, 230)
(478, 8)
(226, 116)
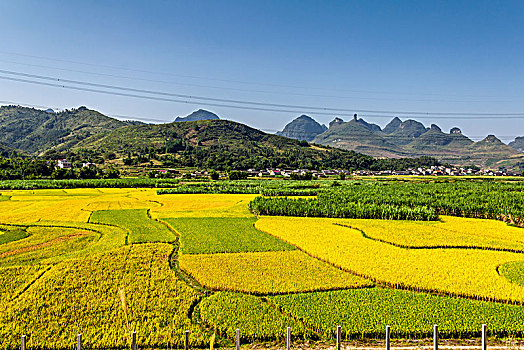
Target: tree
(214, 175)
(88, 172)
(237, 175)
(303, 143)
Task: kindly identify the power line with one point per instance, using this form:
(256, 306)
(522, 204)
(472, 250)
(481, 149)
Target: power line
(358, 134)
(206, 78)
(248, 90)
(261, 106)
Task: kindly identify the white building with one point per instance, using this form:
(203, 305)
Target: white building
(64, 164)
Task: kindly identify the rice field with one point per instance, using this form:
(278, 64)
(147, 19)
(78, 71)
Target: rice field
(223, 235)
(137, 222)
(471, 273)
(108, 261)
(273, 272)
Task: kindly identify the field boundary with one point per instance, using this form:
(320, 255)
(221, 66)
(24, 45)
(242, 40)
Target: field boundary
(404, 246)
(27, 286)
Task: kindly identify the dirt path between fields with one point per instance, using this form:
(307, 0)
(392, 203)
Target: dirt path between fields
(44, 244)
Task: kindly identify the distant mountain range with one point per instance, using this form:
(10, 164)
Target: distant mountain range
(83, 134)
(37, 132)
(408, 138)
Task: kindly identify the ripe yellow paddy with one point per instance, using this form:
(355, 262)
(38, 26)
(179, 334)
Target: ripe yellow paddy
(267, 272)
(466, 272)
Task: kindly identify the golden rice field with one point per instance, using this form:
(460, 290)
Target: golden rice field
(464, 272)
(267, 272)
(107, 262)
(448, 232)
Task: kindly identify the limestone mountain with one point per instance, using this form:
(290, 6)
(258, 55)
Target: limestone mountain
(411, 138)
(518, 144)
(303, 128)
(201, 114)
(392, 125)
(491, 152)
(434, 141)
(406, 132)
(492, 146)
(360, 136)
(335, 122)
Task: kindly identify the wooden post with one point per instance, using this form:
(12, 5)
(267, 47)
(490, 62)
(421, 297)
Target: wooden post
(484, 337)
(288, 338)
(133, 342)
(186, 341)
(22, 342)
(388, 334)
(79, 342)
(238, 339)
(435, 337)
(338, 337)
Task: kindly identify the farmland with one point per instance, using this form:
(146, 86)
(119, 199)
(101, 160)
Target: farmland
(194, 257)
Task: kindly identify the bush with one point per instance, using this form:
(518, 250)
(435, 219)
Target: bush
(214, 175)
(237, 175)
(306, 176)
(303, 143)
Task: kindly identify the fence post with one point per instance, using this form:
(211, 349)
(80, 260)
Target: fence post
(484, 337)
(22, 342)
(338, 337)
(435, 337)
(186, 341)
(79, 342)
(388, 334)
(238, 339)
(288, 338)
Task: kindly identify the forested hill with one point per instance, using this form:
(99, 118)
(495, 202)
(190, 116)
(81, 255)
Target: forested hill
(35, 131)
(221, 144)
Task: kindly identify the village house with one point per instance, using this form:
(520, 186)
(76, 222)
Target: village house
(63, 163)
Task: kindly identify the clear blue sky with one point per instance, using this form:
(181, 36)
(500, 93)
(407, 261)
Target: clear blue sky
(431, 56)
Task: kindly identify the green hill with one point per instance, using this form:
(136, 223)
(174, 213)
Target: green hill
(222, 144)
(35, 131)
(218, 144)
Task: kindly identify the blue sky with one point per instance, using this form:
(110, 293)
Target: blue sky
(428, 56)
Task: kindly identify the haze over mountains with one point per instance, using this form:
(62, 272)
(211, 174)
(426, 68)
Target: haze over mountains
(35, 132)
